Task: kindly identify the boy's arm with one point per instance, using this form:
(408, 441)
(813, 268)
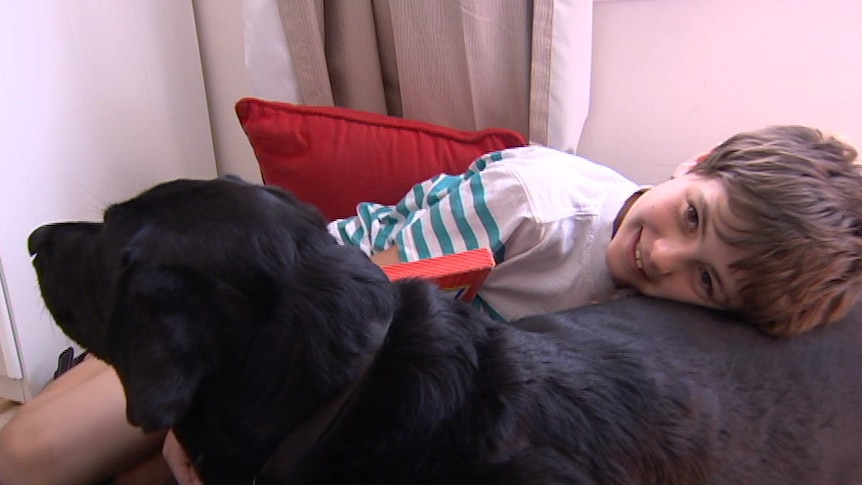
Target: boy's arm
(386, 257)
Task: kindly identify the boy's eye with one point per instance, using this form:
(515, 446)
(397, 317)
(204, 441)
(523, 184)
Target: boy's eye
(706, 281)
(691, 216)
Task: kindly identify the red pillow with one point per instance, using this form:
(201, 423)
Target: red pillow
(337, 157)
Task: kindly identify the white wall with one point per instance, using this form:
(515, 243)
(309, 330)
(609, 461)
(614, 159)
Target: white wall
(100, 100)
(673, 77)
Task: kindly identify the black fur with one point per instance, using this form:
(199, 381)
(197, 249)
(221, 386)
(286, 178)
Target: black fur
(232, 316)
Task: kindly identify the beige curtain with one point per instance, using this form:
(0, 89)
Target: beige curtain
(467, 64)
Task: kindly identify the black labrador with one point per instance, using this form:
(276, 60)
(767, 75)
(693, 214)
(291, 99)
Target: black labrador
(279, 356)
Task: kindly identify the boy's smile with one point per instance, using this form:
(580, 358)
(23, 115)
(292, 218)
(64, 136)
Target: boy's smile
(667, 245)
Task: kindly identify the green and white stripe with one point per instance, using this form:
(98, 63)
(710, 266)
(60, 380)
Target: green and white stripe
(443, 215)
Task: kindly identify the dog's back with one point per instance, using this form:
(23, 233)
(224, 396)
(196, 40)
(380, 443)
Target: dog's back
(742, 407)
(632, 391)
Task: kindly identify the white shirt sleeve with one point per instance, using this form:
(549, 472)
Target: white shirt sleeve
(481, 210)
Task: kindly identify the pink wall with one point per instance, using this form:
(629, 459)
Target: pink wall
(672, 77)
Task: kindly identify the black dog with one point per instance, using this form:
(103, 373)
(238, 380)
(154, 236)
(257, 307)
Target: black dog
(233, 317)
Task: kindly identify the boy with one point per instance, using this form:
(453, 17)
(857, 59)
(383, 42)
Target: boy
(768, 224)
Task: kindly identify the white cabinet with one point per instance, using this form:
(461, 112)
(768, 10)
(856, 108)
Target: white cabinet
(99, 100)
(10, 365)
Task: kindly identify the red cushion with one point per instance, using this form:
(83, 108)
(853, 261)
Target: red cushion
(337, 157)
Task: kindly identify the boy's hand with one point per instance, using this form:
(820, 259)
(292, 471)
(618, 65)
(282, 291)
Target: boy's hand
(179, 461)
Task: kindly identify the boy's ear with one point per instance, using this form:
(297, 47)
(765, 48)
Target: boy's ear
(686, 166)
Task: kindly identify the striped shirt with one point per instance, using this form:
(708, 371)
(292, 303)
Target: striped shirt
(545, 214)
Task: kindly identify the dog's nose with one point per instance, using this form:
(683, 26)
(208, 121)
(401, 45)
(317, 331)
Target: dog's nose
(44, 238)
(38, 239)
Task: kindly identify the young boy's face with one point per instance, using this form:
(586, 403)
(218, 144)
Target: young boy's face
(667, 245)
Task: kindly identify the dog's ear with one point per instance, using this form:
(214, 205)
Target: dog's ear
(160, 345)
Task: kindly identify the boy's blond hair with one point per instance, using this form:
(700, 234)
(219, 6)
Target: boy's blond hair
(799, 195)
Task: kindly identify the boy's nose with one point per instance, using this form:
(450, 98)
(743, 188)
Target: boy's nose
(667, 256)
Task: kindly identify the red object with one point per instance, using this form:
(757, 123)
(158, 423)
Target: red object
(460, 274)
(336, 157)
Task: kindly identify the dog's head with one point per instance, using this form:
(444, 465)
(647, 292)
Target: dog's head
(196, 278)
